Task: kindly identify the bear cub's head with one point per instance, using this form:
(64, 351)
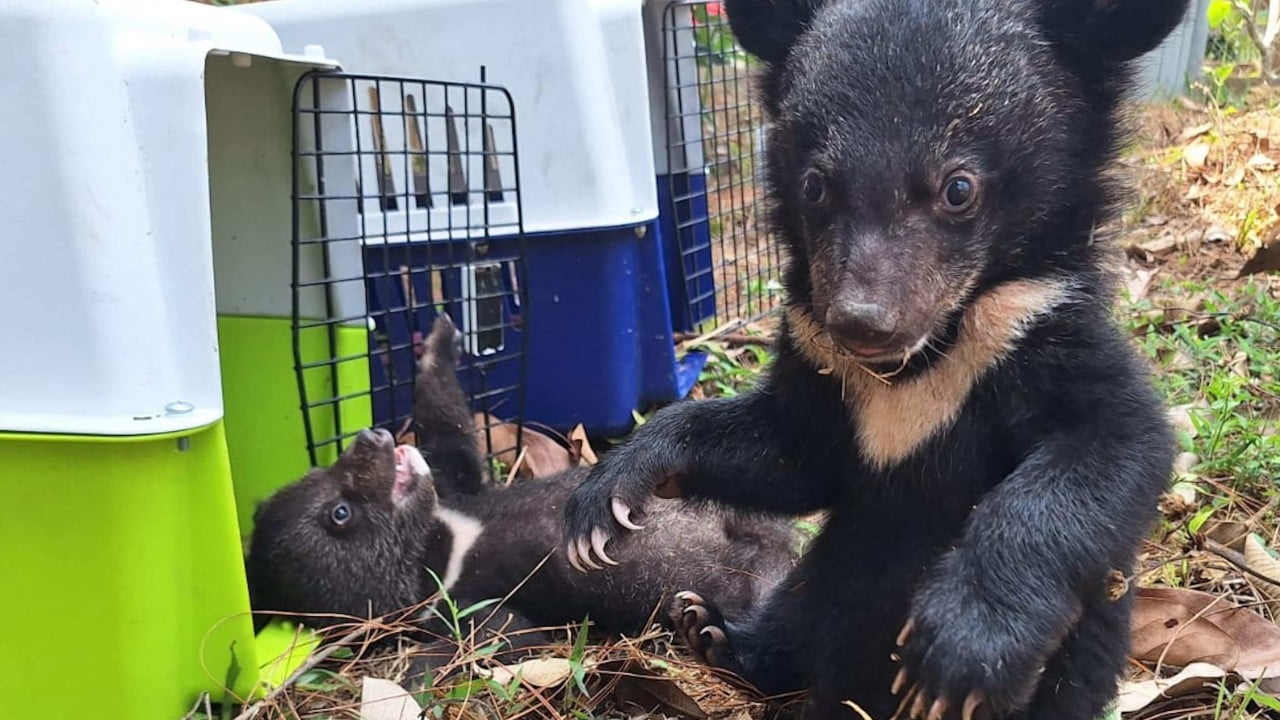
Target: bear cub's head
(921, 152)
(321, 543)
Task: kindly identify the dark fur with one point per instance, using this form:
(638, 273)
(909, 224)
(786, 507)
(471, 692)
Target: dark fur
(299, 562)
(996, 533)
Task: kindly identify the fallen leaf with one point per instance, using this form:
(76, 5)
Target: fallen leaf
(1262, 561)
(535, 672)
(655, 695)
(1262, 163)
(1240, 364)
(1178, 627)
(385, 700)
(1159, 246)
(1183, 463)
(1229, 533)
(580, 447)
(1138, 694)
(1196, 154)
(539, 455)
(1194, 132)
(1180, 418)
(1216, 234)
(1177, 360)
(1235, 178)
(1138, 283)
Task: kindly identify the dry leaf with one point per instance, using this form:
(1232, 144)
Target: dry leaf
(655, 695)
(1177, 627)
(385, 700)
(1177, 360)
(1261, 561)
(580, 447)
(1159, 246)
(1184, 462)
(1194, 132)
(1196, 154)
(1235, 178)
(1138, 283)
(1137, 694)
(1262, 163)
(536, 672)
(1229, 533)
(1240, 364)
(540, 456)
(1216, 234)
(1180, 418)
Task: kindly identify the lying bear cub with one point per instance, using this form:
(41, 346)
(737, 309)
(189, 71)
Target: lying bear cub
(354, 539)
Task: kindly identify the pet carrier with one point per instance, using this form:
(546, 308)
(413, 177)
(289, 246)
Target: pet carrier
(206, 276)
(623, 258)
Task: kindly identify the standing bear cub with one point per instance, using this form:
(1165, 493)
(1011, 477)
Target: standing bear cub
(949, 382)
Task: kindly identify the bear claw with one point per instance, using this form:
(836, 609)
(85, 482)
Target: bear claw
(622, 513)
(917, 699)
(701, 627)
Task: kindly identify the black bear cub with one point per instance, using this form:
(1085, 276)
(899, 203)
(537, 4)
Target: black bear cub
(949, 381)
(358, 538)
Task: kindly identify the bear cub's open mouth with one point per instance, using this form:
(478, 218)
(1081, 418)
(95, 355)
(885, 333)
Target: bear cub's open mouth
(410, 467)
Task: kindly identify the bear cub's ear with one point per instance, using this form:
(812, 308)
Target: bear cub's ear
(1101, 33)
(768, 28)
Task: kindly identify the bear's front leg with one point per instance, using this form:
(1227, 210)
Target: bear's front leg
(761, 450)
(994, 610)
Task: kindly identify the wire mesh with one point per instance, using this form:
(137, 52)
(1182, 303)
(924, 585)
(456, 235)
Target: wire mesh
(731, 268)
(406, 205)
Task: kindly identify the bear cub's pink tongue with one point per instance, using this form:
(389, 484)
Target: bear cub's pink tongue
(409, 467)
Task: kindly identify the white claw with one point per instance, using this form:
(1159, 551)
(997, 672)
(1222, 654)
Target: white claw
(598, 539)
(622, 514)
(572, 553)
(584, 554)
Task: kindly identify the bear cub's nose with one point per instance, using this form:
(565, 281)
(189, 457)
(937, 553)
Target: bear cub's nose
(378, 437)
(862, 328)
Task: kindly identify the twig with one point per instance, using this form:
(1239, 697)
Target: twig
(253, 710)
(731, 339)
(1236, 559)
(204, 698)
(1262, 38)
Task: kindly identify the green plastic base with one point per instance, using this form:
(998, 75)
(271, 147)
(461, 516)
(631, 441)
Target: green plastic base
(265, 433)
(122, 563)
(124, 579)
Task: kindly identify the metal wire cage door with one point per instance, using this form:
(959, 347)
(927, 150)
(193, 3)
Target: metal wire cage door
(406, 205)
(731, 269)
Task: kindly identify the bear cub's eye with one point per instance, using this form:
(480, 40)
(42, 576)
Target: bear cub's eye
(959, 192)
(813, 187)
(340, 514)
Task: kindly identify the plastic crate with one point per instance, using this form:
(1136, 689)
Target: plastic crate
(599, 260)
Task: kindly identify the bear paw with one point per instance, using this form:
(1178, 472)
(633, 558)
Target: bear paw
(702, 628)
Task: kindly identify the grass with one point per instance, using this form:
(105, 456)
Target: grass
(1215, 351)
